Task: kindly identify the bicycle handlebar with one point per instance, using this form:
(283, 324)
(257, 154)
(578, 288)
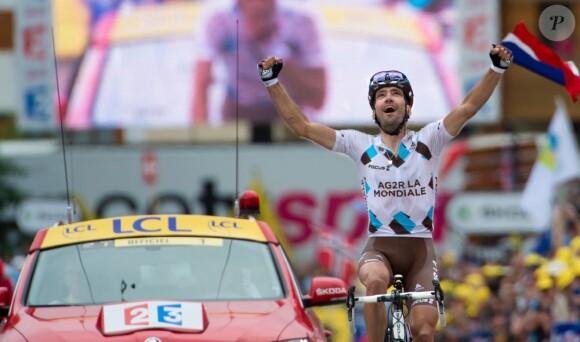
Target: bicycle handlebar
(395, 296)
(436, 294)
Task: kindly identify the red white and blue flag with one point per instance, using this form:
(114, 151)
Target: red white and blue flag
(530, 53)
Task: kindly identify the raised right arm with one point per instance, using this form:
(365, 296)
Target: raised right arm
(293, 115)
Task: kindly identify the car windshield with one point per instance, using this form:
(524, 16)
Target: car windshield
(165, 268)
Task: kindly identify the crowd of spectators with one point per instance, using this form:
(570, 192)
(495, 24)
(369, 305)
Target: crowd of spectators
(532, 294)
(523, 300)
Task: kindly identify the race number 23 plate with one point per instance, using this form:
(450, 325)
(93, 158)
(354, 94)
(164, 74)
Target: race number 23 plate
(167, 315)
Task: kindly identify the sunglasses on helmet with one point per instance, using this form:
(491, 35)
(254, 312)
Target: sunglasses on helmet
(388, 77)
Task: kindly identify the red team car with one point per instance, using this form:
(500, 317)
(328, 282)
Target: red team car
(162, 278)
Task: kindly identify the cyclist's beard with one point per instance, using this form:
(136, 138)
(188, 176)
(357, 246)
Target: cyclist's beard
(393, 131)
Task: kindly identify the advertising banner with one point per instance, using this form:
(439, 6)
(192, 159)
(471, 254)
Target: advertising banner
(477, 29)
(35, 69)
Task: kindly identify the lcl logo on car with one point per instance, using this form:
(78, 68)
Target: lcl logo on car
(216, 226)
(73, 232)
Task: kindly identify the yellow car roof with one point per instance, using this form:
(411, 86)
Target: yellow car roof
(151, 226)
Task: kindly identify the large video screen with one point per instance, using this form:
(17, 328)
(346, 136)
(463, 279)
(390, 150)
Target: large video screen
(172, 63)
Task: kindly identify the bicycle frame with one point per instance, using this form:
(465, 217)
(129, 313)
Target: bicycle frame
(397, 329)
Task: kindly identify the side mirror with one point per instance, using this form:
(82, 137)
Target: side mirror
(326, 291)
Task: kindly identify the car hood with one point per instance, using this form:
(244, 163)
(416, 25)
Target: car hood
(226, 321)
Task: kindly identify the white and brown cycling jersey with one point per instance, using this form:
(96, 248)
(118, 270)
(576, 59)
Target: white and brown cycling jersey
(399, 191)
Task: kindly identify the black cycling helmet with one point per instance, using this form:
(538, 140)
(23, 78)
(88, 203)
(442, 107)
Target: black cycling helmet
(391, 78)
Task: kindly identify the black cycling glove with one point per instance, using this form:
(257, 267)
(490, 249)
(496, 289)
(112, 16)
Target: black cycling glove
(498, 64)
(269, 76)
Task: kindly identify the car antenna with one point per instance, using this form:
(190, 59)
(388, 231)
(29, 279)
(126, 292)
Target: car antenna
(70, 210)
(236, 201)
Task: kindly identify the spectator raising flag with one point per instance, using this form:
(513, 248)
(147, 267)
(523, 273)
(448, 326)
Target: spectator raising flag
(530, 53)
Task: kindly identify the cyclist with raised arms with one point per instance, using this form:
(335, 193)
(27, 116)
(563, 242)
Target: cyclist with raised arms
(398, 171)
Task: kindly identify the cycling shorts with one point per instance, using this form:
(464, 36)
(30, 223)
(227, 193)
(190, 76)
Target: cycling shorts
(412, 257)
